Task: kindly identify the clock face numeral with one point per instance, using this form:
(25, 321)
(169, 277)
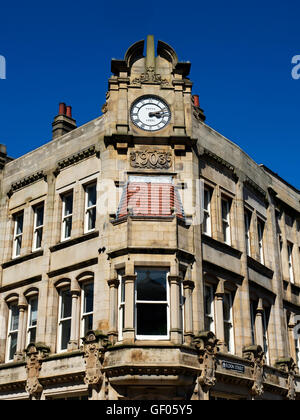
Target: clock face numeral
(150, 113)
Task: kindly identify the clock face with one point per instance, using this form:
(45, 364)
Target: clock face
(150, 113)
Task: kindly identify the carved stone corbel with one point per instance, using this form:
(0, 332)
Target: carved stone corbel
(35, 354)
(288, 365)
(256, 356)
(95, 345)
(206, 345)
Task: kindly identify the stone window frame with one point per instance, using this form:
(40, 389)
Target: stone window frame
(231, 345)
(61, 286)
(16, 236)
(83, 315)
(30, 295)
(248, 215)
(225, 198)
(212, 289)
(167, 302)
(37, 228)
(261, 230)
(208, 212)
(64, 217)
(262, 307)
(290, 251)
(87, 209)
(121, 304)
(11, 301)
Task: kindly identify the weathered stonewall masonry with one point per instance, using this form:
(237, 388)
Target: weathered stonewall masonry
(110, 288)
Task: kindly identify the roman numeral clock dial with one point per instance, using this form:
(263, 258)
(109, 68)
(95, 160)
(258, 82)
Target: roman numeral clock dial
(150, 113)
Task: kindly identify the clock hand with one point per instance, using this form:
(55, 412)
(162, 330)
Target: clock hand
(157, 114)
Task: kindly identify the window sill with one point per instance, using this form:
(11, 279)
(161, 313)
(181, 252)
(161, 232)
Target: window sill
(74, 241)
(23, 258)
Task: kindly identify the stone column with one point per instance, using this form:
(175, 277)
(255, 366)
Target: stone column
(3, 328)
(220, 331)
(113, 284)
(291, 327)
(75, 321)
(284, 252)
(188, 287)
(129, 279)
(216, 215)
(175, 330)
(241, 307)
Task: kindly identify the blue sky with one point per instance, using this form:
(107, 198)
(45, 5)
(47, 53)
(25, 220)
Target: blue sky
(241, 55)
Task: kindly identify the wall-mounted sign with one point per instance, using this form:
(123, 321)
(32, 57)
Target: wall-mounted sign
(233, 366)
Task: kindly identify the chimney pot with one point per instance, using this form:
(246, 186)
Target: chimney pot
(62, 109)
(69, 111)
(196, 100)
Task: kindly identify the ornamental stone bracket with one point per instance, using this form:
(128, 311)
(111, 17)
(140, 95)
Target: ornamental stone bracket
(24, 182)
(256, 356)
(206, 346)
(150, 76)
(94, 346)
(35, 354)
(288, 365)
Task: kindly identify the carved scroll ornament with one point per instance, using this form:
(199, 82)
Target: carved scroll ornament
(95, 345)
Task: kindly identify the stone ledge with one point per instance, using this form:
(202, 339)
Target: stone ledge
(221, 246)
(19, 260)
(74, 241)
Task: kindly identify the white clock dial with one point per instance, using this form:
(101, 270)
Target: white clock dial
(150, 113)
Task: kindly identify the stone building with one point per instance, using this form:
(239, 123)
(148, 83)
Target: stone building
(112, 288)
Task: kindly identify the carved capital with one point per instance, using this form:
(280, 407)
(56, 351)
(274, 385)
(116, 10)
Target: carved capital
(35, 354)
(95, 344)
(256, 356)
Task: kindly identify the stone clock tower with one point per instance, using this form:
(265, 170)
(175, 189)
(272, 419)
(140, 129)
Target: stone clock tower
(158, 80)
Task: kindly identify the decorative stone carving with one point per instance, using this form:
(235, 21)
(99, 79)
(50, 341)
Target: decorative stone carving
(288, 365)
(35, 354)
(150, 77)
(206, 345)
(71, 160)
(95, 344)
(150, 159)
(256, 356)
(22, 183)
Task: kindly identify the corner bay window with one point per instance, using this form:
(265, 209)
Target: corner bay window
(13, 330)
(18, 234)
(65, 316)
(152, 304)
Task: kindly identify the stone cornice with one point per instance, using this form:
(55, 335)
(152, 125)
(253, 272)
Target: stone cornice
(75, 158)
(24, 182)
(260, 268)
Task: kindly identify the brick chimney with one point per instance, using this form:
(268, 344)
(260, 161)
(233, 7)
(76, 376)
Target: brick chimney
(63, 123)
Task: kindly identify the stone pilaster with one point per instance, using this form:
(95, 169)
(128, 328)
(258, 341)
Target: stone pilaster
(113, 285)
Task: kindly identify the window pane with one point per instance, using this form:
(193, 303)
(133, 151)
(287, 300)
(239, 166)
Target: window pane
(68, 227)
(92, 195)
(13, 345)
(39, 216)
(88, 298)
(206, 199)
(227, 308)
(92, 218)
(122, 290)
(39, 237)
(88, 323)
(14, 324)
(65, 334)
(152, 319)
(66, 304)
(152, 285)
(18, 245)
(32, 335)
(225, 209)
(68, 199)
(19, 223)
(33, 312)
